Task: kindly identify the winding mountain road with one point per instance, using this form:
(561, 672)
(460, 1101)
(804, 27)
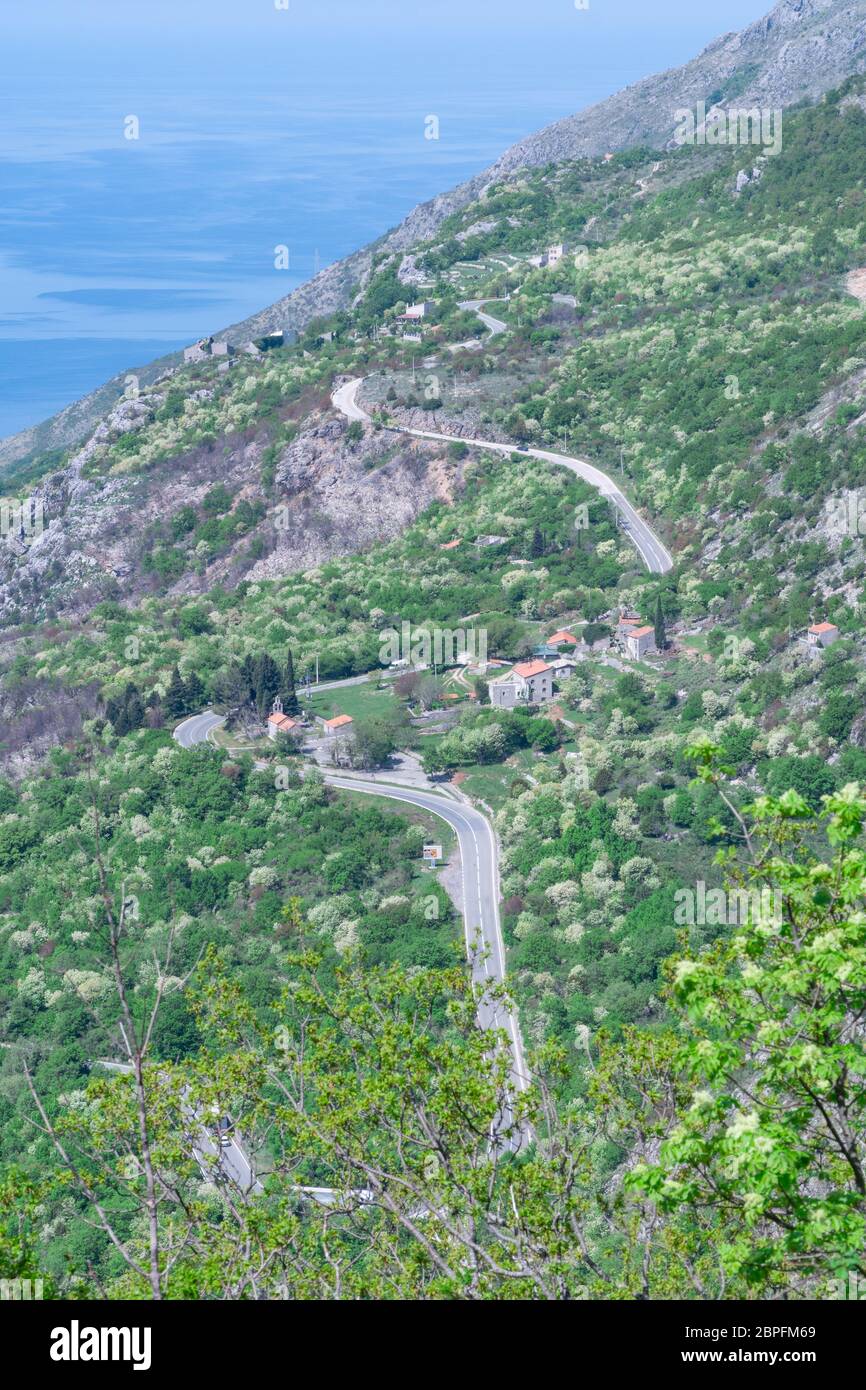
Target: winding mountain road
(645, 541)
(482, 930)
(485, 949)
(493, 326)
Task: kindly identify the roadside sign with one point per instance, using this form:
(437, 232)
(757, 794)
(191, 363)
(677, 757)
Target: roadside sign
(432, 854)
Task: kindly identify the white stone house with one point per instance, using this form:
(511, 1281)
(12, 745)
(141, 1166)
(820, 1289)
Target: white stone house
(639, 641)
(338, 725)
(529, 683)
(279, 723)
(822, 635)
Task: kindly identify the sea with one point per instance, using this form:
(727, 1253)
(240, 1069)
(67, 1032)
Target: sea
(150, 172)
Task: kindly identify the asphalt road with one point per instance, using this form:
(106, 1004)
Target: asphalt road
(232, 1159)
(482, 929)
(343, 400)
(237, 1167)
(493, 326)
(481, 926)
(196, 729)
(645, 541)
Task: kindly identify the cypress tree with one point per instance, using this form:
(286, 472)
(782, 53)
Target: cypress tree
(248, 673)
(267, 680)
(288, 692)
(194, 692)
(175, 696)
(659, 624)
(134, 708)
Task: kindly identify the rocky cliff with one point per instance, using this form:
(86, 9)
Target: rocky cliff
(337, 496)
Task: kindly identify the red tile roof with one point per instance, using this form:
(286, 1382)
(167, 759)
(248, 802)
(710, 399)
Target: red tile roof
(823, 627)
(641, 631)
(339, 722)
(282, 722)
(559, 638)
(526, 669)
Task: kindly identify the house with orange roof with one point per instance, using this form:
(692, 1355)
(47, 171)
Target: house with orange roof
(450, 545)
(822, 635)
(562, 639)
(279, 723)
(529, 682)
(639, 641)
(337, 725)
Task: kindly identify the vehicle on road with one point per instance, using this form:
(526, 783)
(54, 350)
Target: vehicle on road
(225, 1128)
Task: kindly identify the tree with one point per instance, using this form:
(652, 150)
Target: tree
(372, 742)
(594, 632)
(809, 777)
(265, 680)
(482, 690)
(288, 692)
(767, 1069)
(406, 685)
(430, 690)
(518, 427)
(174, 703)
(134, 707)
(382, 1079)
(126, 712)
(217, 501)
(21, 1200)
(661, 639)
(839, 712)
(436, 760)
(503, 633)
(231, 688)
(195, 695)
(536, 549)
(542, 734)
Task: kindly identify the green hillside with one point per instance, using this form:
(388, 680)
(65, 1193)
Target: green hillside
(701, 342)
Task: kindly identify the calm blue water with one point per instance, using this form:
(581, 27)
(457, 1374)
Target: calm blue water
(304, 134)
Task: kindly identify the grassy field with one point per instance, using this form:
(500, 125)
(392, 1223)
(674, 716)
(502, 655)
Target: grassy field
(360, 701)
(223, 739)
